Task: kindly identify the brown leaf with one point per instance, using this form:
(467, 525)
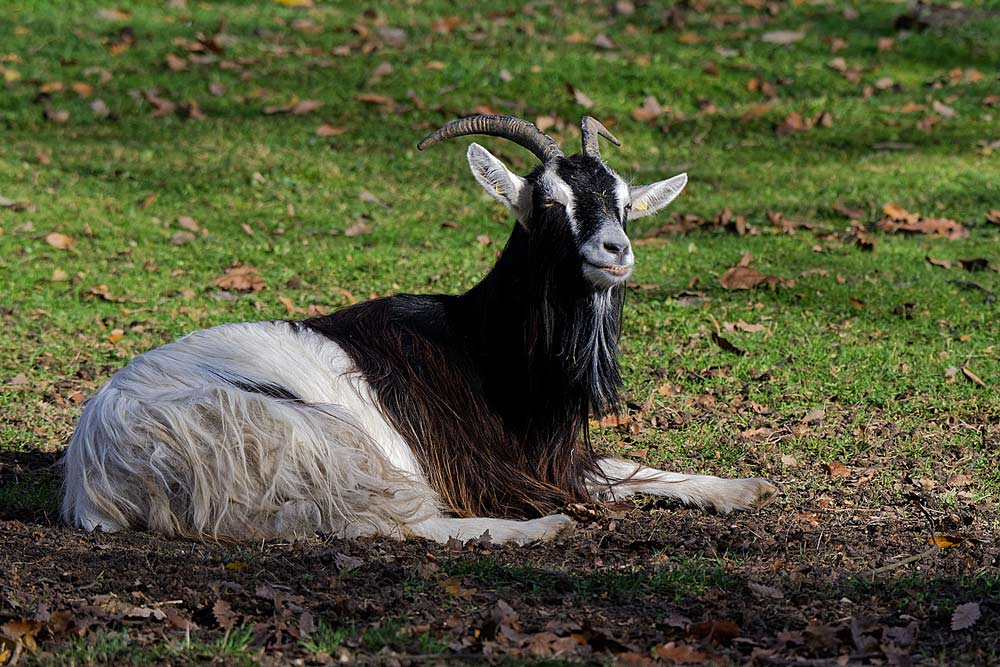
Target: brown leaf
(180, 238)
(175, 63)
(57, 115)
(836, 469)
(304, 107)
(357, 229)
(975, 379)
(848, 212)
(792, 124)
(289, 309)
(764, 591)
(936, 227)
(189, 223)
(689, 38)
(223, 614)
(484, 239)
(814, 416)
(327, 130)
(993, 215)
(649, 110)
(716, 630)
(679, 654)
(374, 98)
(240, 277)
(943, 109)
(943, 263)
(116, 335)
(148, 200)
(965, 616)
(580, 97)
(886, 43)
(447, 24)
(726, 345)
(59, 241)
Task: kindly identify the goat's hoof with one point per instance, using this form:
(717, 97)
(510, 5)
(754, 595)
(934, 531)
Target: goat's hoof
(553, 525)
(744, 494)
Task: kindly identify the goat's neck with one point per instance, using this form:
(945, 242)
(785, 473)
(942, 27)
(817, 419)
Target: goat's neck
(546, 344)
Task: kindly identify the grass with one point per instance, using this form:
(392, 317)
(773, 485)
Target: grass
(271, 193)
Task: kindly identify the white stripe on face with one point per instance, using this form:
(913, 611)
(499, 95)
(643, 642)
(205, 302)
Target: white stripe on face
(558, 190)
(622, 190)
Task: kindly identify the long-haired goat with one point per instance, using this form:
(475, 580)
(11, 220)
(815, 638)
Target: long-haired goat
(407, 415)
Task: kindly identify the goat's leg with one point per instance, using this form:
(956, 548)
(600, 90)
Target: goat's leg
(620, 479)
(441, 529)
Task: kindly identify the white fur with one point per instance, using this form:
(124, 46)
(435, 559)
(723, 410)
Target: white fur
(499, 182)
(169, 446)
(559, 190)
(626, 478)
(648, 199)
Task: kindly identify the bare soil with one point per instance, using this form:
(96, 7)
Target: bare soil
(830, 574)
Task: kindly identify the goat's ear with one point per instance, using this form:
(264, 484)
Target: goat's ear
(500, 182)
(648, 199)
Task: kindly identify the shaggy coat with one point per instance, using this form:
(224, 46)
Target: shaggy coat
(437, 416)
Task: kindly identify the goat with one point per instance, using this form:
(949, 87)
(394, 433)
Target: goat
(406, 415)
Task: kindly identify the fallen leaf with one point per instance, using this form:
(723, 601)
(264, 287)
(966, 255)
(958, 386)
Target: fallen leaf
(240, 278)
(580, 97)
(717, 630)
(289, 309)
(848, 212)
(327, 130)
(649, 110)
(975, 379)
(357, 229)
(116, 335)
(679, 654)
(82, 89)
(836, 469)
(180, 238)
(965, 616)
(484, 239)
(943, 109)
(726, 345)
(764, 591)
(59, 241)
(57, 115)
(814, 416)
(886, 44)
(175, 63)
(782, 36)
(189, 223)
(993, 215)
(945, 541)
(223, 614)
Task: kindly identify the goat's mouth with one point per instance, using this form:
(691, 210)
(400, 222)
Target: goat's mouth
(606, 275)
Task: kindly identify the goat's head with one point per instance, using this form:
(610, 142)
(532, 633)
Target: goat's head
(577, 200)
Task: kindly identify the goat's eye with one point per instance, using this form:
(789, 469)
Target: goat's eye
(549, 203)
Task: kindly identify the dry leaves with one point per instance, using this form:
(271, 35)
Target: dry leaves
(965, 616)
(782, 36)
(897, 219)
(240, 277)
(59, 241)
(742, 277)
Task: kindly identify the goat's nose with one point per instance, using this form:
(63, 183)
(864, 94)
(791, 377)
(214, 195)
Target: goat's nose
(615, 246)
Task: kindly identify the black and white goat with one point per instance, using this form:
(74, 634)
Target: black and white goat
(407, 415)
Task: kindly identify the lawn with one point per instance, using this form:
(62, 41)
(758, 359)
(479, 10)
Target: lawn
(147, 152)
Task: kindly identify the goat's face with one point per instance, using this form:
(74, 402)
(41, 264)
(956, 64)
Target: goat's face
(584, 200)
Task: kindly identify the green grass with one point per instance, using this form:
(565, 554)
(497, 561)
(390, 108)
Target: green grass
(299, 192)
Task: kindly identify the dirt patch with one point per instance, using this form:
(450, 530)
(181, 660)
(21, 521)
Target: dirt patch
(830, 574)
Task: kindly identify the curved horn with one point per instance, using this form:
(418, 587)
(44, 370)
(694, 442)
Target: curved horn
(590, 129)
(521, 132)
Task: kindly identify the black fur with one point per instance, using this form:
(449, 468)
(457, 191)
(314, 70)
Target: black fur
(493, 389)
